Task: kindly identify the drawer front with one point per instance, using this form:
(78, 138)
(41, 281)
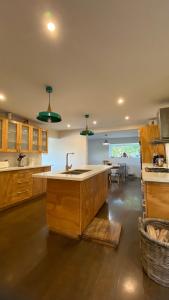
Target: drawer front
(22, 186)
(16, 186)
(23, 175)
(21, 195)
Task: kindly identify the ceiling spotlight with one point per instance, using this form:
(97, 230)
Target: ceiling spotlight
(68, 125)
(127, 117)
(51, 26)
(2, 97)
(120, 101)
(94, 122)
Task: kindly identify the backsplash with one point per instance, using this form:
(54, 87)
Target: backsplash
(30, 159)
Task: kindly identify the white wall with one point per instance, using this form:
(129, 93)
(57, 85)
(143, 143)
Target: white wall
(58, 145)
(32, 158)
(63, 142)
(97, 153)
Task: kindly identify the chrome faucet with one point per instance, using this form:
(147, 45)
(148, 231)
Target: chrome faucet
(68, 167)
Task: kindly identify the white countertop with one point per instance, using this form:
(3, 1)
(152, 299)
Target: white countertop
(22, 168)
(94, 170)
(152, 176)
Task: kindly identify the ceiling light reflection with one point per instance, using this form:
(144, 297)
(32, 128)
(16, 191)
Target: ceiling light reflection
(130, 285)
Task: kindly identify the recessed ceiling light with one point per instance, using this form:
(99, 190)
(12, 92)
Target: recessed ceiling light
(68, 125)
(120, 101)
(2, 97)
(51, 26)
(127, 117)
(94, 122)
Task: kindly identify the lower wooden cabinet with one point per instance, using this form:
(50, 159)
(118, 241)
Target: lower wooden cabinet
(156, 200)
(17, 186)
(71, 204)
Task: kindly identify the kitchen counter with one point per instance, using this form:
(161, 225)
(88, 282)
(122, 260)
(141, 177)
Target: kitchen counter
(156, 191)
(74, 200)
(154, 177)
(94, 170)
(22, 168)
(18, 185)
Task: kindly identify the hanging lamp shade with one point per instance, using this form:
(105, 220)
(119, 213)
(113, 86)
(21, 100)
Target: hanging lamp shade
(105, 143)
(87, 131)
(49, 116)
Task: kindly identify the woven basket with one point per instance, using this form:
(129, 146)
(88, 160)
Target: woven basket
(154, 254)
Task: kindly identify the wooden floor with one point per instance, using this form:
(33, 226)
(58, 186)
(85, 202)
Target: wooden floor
(36, 265)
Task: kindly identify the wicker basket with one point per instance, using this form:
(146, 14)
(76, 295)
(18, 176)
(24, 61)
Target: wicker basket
(154, 254)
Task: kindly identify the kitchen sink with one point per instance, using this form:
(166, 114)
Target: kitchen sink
(76, 172)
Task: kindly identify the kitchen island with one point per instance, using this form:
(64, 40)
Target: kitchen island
(156, 193)
(73, 200)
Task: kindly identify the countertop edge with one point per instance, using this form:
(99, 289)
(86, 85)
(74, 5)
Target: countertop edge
(82, 177)
(22, 168)
(154, 177)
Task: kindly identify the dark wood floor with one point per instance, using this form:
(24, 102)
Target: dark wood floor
(36, 265)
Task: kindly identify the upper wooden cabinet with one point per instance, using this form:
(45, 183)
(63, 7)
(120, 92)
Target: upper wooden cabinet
(44, 140)
(147, 135)
(35, 140)
(2, 135)
(21, 137)
(12, 136)
(25, 138)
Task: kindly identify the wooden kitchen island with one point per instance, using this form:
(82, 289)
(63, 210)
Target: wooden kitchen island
(73, 200)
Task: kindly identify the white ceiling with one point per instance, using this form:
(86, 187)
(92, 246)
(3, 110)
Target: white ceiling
(104, 49)
(114, 134)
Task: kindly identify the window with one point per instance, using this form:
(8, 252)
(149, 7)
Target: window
(124, 150)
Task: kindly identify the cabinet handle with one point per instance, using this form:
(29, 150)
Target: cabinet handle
(22, 182)
(26, 191)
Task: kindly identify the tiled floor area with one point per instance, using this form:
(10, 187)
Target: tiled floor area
(36, 265)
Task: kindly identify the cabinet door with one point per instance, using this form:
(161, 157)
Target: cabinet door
(12, 136)
(2, 135)
(147, 135)
(35, 137)
(44, 141)
(25, 138)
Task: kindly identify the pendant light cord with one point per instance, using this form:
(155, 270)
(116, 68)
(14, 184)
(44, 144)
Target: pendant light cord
(86, 124)
(49, 107)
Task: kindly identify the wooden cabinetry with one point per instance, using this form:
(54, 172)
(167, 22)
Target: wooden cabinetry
(25, 138)
(43, 141)
(17, 186)
(39, 184)
(156, 200)
(12, 136)
(35, 140)
(147, 135)
(2, 135)
(20, 137)
(71, 205)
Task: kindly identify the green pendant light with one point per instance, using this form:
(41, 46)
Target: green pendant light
(49, 116)
(86, 131)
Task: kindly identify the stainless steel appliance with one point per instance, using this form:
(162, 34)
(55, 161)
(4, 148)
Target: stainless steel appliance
(163, 121)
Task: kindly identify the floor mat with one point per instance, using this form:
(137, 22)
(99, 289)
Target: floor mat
(106, 232)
